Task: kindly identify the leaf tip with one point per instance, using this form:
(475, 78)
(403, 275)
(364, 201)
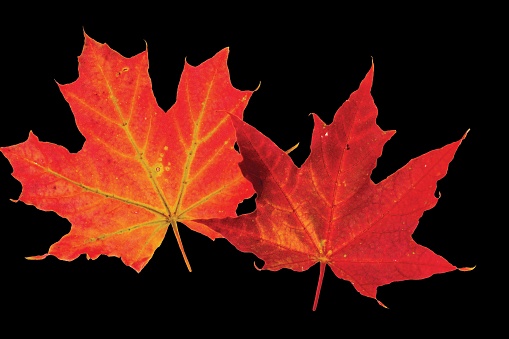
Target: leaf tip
(292, 148)
(37, 257)
(87, 37)
(465, 135)
(257, 87)
(256, 267)
(137, 267)
(466, 269)
(222, 55)
(381, 304)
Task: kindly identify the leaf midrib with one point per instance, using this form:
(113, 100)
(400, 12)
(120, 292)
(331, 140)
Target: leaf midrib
(125, 128)
(96, 190)
(194, 145)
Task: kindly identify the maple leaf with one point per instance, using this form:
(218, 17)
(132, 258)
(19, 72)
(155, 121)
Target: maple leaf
(140, 169)
(329, 211)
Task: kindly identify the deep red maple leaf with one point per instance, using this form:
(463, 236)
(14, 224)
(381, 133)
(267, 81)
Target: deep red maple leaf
(329, 211)
(140, 169)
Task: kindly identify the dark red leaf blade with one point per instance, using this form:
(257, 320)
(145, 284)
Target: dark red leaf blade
(329, 211)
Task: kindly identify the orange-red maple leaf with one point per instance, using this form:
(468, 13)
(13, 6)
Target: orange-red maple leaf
(140, 169)
(329, 211)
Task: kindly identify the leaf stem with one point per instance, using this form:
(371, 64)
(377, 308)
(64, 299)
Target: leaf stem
(179, 241)
(319, 286)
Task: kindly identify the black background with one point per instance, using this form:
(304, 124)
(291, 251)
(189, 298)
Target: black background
(432, 74)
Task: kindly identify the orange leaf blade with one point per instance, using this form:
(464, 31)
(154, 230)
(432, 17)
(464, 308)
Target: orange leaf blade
(140, 169)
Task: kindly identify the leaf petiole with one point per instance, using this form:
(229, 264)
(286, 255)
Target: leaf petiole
(179, 241)
(319, 286)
